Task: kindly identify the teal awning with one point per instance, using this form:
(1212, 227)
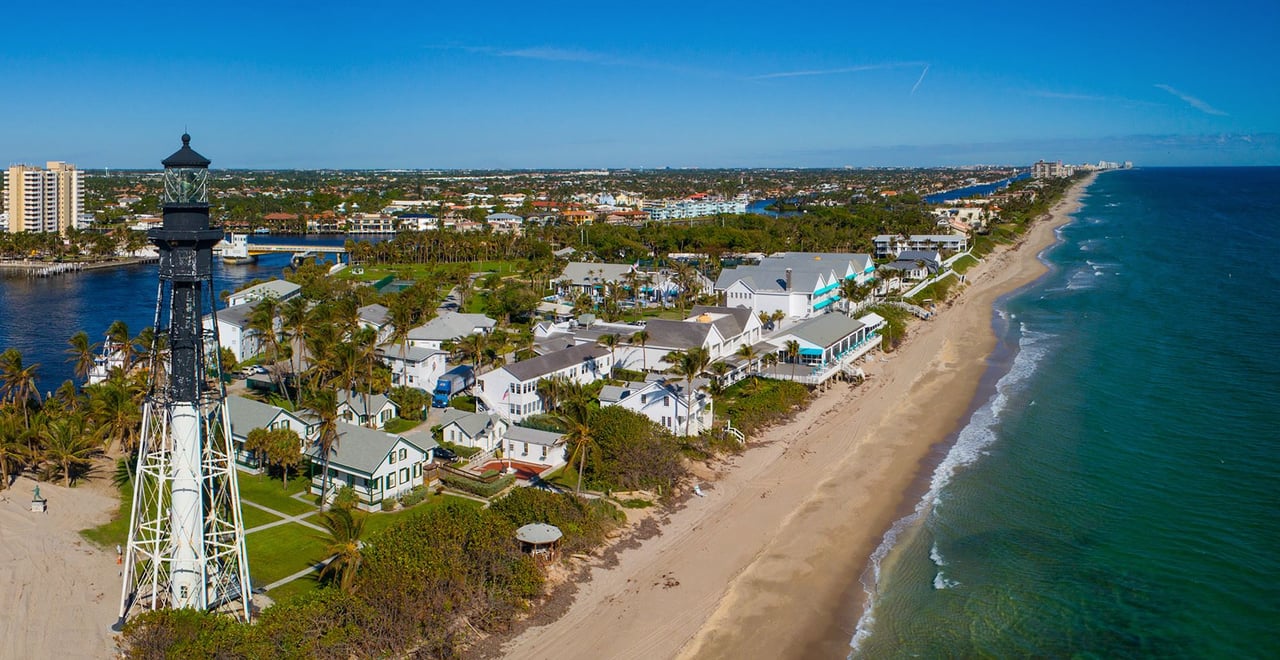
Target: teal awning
(811, 351)
(824, 303)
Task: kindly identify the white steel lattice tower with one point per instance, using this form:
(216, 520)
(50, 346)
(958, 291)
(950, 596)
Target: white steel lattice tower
(186, 538)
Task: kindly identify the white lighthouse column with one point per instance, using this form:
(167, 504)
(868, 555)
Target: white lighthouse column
(186, 514)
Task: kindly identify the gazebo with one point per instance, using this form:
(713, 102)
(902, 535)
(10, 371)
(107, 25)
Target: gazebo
(540, 540)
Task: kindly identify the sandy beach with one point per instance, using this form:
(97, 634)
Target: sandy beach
(62, 593)
(768, 563)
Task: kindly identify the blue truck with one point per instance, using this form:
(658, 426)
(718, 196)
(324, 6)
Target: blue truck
(451, 383)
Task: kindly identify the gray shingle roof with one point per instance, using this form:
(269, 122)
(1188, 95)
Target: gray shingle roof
(771, 273)
(376, 402)
(247, 415)
(362, 450)
(237, 315)
(374, 314)
(409, 353)
(825, 330)
(534, 436)
(451, 325)
(543, 365)
(472, 424)
(730, 321)
(676, 335)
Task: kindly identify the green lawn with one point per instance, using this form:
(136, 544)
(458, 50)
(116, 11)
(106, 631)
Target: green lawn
(282, 551)
(399, 425)
(269, 492)
(252, 516)
(963, 264)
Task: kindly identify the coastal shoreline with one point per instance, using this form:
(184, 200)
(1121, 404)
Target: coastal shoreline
(769, 563)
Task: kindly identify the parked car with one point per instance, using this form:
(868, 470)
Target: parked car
(443, 454)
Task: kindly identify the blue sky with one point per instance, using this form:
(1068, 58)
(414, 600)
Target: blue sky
(692, 84)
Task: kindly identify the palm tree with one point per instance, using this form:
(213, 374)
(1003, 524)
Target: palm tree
(473, 347)
(65, 444)
(325, 405)
(18, 381)
(749, 354)
(549, 390)
(777, 317)
(765, 318)
(689, 364)
(294, 317)
(575, 414)
(793, 355)
(14, 451)
(609, 341)
(640, 337)
(116, 414)
(81, 353)
(343, 545)
(263, 321)
(119, 341)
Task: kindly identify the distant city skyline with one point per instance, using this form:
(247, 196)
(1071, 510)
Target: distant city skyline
(502, 86)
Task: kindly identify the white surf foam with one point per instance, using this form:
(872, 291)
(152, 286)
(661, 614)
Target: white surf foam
(971, 444)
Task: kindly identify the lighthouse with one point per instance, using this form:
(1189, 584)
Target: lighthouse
(186, 536)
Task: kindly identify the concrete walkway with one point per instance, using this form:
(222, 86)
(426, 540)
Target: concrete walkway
(284, 518)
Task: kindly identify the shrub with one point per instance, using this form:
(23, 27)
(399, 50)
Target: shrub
(414, 496)
(346, 498)
(585, 523)
(478, 488)
(631, 452)
(757, 402)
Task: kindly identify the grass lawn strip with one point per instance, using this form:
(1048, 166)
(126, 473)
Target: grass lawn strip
(282, 551)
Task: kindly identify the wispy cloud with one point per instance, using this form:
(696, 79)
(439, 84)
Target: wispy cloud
(1068, 96)
(828, 72)
(552, 54)
(919, 80)
(1193, 101)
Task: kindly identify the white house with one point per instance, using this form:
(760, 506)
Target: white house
(721, 331)
(483, 431)
(533, 446)
(375, 409)
(583, 277)
(450, 326)
(376, 465)
(665, 401)
(412, 366)
(377, 318)
(798, 284)
(247, 415)
(279, 289)
(512, 390)
(889, 245)
(234, 332)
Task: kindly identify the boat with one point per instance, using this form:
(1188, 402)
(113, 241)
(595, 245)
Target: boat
(235, 250)
(262, 230)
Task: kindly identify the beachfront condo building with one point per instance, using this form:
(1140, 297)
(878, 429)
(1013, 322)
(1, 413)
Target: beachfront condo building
(44, 200)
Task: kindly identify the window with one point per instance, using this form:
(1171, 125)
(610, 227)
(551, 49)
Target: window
(404, 475)
(391, 480)
(403, 453)
(511, 447)
(544, 452)
(417, 470)
(376, 484)
(666, 402)
(391, 458)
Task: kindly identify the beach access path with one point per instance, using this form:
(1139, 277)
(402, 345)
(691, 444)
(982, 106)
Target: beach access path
(768, 563)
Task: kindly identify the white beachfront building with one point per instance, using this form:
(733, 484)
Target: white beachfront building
(798, 284)
(827, 344)
(889, 245)
(234, 332)
(378, 466)
(281, 290)
(412, 366)
(665, 401)
(377, 318)
(512, 390)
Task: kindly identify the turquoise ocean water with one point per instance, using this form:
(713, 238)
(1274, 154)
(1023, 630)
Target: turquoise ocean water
(1117, 490)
